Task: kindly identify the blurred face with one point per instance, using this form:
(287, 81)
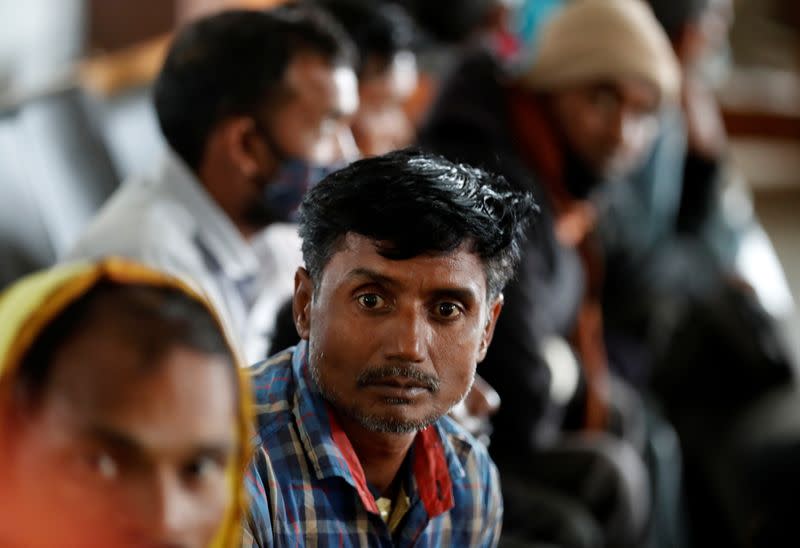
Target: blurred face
(381, 123)
(305, 137)
(610, 126)
(393, 345)
(121, 454)
(313, 122)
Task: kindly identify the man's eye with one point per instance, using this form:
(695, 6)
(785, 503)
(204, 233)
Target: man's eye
(371, 301)
(203, 468)
(448, 310)
(605, 99)
(102, 464)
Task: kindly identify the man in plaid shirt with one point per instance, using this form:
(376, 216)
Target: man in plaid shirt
(406, 256)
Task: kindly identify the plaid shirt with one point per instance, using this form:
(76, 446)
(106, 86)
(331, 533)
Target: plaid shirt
(307, 487)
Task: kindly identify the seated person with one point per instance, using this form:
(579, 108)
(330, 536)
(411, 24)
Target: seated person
(123, 417)
(406, 256)
(383, 35)
(254, 106)
(584, 113)
(562, 129)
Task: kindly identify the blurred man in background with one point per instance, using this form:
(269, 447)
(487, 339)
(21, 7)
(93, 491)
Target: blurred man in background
(383, 35)
(255, 107)
(123, 418)
(672, 210)
(586, 112)
(679, 302)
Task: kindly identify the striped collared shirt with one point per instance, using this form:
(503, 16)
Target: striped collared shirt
(307, 487)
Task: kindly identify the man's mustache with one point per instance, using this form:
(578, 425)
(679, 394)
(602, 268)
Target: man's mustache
(379, 374)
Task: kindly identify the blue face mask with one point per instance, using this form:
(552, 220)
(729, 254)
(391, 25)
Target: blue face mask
(284, 192)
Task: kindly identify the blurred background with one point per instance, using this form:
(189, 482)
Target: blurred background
(88, 63)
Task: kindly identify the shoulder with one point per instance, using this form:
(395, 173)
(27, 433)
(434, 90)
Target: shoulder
(138, 220)
(273, 387)
(472, 455)
(478, 504)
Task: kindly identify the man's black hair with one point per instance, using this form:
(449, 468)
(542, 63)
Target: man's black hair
(379, 30)
(233, 64)
(674, 15)
(149, 320)
(412, 203)
(450, 21)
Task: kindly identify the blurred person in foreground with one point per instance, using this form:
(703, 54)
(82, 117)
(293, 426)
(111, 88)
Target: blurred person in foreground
(123, 417)
(584, 113)
(406, 257)
(255, 108)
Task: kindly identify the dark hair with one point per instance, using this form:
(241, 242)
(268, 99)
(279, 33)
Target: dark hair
(450, 21)
(674, 15)
(233, 63)
(415, 203)
(378, 30)
(151, 320)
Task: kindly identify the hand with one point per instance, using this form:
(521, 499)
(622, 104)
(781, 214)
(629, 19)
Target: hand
(706, 131)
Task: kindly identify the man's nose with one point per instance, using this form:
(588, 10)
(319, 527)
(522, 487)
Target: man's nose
(174, 514)
(407, 336)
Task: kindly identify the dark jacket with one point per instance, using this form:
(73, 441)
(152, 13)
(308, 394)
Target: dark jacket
(470, 123)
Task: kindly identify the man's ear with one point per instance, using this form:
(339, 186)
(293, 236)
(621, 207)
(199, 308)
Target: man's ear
(247, 151)
(488, 331)
(301, 305)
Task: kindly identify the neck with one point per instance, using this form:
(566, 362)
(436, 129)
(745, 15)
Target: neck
(381, 455)
(236, 212)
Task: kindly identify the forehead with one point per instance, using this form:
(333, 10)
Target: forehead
(459, 269)
(317, 83)
(99, 381)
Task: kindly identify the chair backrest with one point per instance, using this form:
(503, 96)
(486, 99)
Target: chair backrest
(131, 131)
(55, 172)
(24, 242)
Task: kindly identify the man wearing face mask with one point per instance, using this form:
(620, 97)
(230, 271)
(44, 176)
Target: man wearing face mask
(254, 106)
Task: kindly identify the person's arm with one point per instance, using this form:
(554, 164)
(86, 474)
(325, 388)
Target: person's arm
(706, 148)
(700, 192)
(493, 505)
(257, 523)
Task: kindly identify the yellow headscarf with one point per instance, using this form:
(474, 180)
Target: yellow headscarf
(29, 306)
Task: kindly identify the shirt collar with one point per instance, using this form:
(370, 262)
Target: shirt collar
(435, 464)
(214, 229)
